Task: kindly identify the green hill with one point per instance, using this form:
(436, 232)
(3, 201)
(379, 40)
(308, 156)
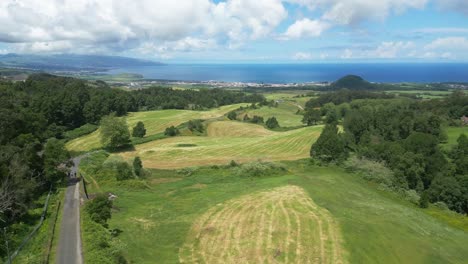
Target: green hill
(352, 82)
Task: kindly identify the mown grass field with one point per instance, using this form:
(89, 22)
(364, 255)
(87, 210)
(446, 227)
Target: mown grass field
(209, 208)
(155, 122)
(285, 113)
(279, 225)
(226, 141)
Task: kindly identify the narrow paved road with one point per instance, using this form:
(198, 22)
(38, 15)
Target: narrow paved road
(69, 246)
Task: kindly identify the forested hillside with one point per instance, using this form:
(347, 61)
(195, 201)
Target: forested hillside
(401, 134)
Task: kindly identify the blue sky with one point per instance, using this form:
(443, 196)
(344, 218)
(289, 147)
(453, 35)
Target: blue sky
(241, 31)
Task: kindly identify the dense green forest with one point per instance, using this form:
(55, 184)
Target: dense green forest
(36, 113)
(402, 134)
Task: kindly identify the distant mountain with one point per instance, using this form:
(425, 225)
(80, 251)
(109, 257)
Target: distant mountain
(352, 82)
(71, 62)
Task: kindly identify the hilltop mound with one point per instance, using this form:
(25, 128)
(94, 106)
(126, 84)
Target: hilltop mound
(352, 82)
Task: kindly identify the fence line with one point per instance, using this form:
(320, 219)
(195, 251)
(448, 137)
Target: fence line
(28, 237)
(51, 239)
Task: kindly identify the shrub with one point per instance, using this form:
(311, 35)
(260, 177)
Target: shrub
(371, 170)
(118, 168)
(233, 163)
(99, 209)
(171, 131)
(139, 130)
(412, 196)
(137, 166)
(272, 123)
(232, 115)
(196, 125)
(259, 169)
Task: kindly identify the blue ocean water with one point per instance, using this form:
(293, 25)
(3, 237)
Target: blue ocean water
(298, 73)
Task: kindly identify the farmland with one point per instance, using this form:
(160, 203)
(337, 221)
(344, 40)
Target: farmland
(226, 141)
(360, 224)
(155, 122)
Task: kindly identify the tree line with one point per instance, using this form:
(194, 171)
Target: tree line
(405, 136)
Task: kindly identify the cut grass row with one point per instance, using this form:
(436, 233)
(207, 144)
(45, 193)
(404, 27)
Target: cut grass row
(241, 142)
(279, 225)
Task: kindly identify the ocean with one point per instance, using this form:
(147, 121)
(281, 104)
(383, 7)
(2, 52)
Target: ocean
(300, 73)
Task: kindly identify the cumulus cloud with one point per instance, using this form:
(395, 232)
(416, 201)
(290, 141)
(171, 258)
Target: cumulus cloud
(302, 56)
(305, 28)
(126, 24)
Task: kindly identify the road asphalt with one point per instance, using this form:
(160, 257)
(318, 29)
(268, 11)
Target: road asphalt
(69, 246)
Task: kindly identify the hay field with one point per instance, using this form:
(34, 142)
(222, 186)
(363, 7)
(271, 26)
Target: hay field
(282, 225)
(228, 141)
(155, 122)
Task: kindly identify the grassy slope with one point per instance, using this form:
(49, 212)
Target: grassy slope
(453, 133)
(376, 226)
(285, 113)
(155, 122)
(247, 146)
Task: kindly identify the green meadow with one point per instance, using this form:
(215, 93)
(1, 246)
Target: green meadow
(157, 216)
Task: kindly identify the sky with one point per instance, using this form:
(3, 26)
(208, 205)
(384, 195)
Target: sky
(240, 31)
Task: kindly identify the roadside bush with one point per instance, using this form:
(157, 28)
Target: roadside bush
(259, 169)
(99, 209)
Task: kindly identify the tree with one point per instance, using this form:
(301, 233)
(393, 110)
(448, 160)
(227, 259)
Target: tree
(329, 146)
(232, 115)
(171, 131)
(272, 123)
(114, 132)
(55, 154)
(257, 119)
(311, 117)
(139, 130)
(332, 117)
(137, 166)
(459, 155)
(99, 209)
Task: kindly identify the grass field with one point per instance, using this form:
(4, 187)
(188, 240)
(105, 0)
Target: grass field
(278, 225)
(285, 113)
(453, 133)
(160, 219)
(155, 122)
(226, 141)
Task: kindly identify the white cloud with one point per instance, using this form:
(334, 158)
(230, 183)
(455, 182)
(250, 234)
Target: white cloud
(449, 43)
(126, 24)
(305, 28)
(390, 50)
(347, 54)
(355, 11)
(302, 56)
